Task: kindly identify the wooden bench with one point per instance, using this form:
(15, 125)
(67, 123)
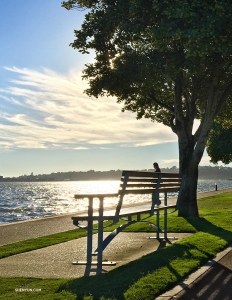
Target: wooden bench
(132, 182)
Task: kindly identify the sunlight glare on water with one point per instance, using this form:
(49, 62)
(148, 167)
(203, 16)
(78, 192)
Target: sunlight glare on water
(29, 200)
(97, 187)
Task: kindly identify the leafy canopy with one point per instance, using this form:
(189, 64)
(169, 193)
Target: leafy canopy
(219, 145)
(142, 47)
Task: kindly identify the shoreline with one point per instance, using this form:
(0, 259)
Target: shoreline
(27, 229)
(57, 200)
(63, 215)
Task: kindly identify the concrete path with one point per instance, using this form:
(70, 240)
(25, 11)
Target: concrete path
(56, 261)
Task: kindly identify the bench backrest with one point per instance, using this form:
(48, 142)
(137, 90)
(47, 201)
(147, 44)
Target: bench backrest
(136, 182)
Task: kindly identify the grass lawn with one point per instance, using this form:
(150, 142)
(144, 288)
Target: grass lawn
(145, 278)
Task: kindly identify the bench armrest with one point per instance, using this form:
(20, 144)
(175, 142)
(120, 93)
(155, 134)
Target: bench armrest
(101, 195)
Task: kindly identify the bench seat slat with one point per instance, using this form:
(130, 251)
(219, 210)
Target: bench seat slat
(169, 189)
(153, 185)
(150, 174)
(107, 195)
(171, 180)
(149, 191)
(92, 218)
(131, 179)
(135, 211)
(130, 211)
(154, 180)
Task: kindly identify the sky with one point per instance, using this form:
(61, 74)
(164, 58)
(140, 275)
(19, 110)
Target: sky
(47, 123)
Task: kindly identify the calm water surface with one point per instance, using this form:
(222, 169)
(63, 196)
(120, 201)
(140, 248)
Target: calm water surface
(28, 200)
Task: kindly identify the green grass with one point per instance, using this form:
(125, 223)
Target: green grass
(149, 276)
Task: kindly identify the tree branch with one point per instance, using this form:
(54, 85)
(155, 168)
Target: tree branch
(172, 125)
(178, 100)
(164, 105)
(190, 97)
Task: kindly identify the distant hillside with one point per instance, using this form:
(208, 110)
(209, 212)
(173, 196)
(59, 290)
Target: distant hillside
(205, 172)
(208, 172)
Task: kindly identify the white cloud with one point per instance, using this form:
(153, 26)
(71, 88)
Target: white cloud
(81, 148)
(44, 109)
(170, 161)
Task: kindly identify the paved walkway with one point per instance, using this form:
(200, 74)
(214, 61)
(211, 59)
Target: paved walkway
(56, 261)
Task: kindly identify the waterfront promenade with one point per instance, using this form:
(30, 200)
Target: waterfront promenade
(56, 261)
(23, 230)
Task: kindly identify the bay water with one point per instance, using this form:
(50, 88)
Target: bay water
(28, 200)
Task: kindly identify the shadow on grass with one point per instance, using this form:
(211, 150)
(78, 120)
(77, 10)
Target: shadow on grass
(201, 224)
(116, 283)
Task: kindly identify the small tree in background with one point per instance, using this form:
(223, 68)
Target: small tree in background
(219, 145)
(167, 60)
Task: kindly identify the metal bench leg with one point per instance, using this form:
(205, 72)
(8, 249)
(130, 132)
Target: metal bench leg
(99, 253)
(89, 243)
(157, 224)
(100, 236)
(89, 253)
(89, 237)
(165, 216)
(101, 247)
(166, 220)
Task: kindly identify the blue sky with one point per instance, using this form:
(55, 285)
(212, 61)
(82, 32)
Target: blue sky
(47, 124)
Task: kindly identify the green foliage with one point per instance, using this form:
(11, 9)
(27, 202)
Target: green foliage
(219, 145)
(143, 46)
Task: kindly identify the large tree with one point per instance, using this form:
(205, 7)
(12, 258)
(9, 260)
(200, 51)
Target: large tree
(168, 60)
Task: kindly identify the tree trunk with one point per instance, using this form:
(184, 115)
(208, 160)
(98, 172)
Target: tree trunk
(190, 154)
(187, 199)
(191, 146)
